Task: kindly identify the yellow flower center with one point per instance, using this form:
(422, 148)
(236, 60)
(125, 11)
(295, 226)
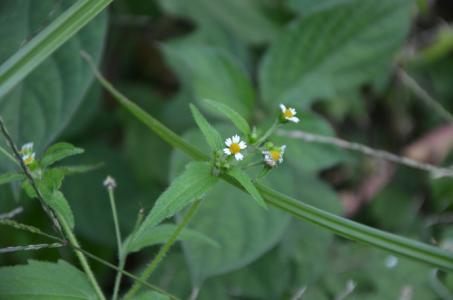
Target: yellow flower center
(288, 113)
(275, 154)
(234, 148)
(29, 160)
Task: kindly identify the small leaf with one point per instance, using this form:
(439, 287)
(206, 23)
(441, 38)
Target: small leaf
(59, 204)
(231, 114)
(245, 180)
(211, 135)
(161, 233)
(11, 177)
(70, 170)
(44, 280)
(58, 152)
(192, 184)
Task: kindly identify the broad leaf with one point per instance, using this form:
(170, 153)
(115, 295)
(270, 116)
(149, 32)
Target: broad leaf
(58, 152)
(161, 233)
(245, 180)
(213, 74)
(333, 50)
(210, 133)
(11, 177)
(245, 19)
(40, 107)
(191, 185)
(59, 204)
(243, 230)
(231, 114)
(44, 280)
(307, 7)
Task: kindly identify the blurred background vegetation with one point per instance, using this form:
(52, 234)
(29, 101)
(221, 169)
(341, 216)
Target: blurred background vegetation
(342, 64)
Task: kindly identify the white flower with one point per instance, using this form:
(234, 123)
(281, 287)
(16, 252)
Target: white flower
(234, 147)
(28, 156)
(289, 113)
(274, 156)
(110, 182)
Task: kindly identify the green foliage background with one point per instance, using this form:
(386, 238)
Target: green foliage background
(336, 61)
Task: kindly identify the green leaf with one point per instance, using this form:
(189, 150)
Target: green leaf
(191, 185)
(210, 133)
(59, 204)
(36, 101)
(160, 234)
(246, 19)
(243, 229)
(231, 114)
(11, 177)
(213, 74)
(245, 180)
(367, 34)
(58, 152)
(45, 280)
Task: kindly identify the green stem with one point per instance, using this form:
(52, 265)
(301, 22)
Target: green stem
(9, 156)
(121, 256)
(82, 259)
(163, 250)
(268, 133)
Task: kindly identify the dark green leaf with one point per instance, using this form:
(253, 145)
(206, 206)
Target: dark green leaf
(245, 180)
(150, 295)
(58, 152)
(212, 73)
(367, 34)
(231, 114)
(45, 280)
(210, 133)
(39, 107)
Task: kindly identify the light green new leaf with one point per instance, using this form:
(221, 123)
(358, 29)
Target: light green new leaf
(58, 152)
(161, 233)
(43, 82)
(191, 185)
(313, 61)
(213, 73)
(210, 133)
(45, 280)
(11, 177)
(231, 114)
(245, 180)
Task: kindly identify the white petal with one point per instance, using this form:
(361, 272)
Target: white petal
(293, 111)
(236, 139)
(294, 119)
(238, 156)
(228, 142)
(242, 145)
(283, 108)
(227, 151)
(27, 146)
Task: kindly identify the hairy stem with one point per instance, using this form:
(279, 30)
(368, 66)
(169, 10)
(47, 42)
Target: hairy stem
(163, 250)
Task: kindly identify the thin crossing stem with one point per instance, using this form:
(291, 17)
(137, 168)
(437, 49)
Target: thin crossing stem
(163, 250)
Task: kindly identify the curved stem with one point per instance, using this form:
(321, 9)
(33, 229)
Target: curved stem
(163, 250)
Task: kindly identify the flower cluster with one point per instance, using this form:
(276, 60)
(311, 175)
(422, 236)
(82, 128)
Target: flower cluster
(27, 154)
(272, 155)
